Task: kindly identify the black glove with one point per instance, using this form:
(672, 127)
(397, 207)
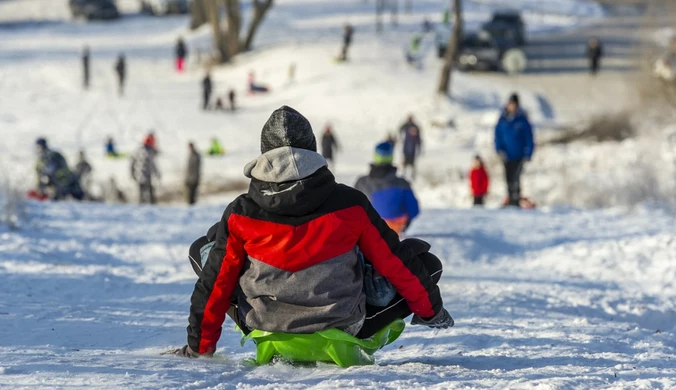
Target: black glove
(186, 351)
(442, 320)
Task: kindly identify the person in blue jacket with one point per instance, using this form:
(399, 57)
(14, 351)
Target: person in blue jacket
(391, 195)
(514, 143)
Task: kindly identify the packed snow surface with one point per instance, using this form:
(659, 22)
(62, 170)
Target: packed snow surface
(560, 298)
(90, 295)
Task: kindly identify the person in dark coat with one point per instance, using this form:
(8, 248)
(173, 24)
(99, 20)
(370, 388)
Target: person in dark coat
(55, 179)
(121, 71)
(348, 31)
(514, 143)
(296, 223)
(412, 145)
(207, 88)
(329, 144)
(594, 54)
(193, 174)
(231, 99)
(85, 67)
(83, 172)
(144, 172)
(181, 54)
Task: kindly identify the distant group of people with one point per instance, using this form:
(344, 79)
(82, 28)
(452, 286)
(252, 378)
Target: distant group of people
(56, 181)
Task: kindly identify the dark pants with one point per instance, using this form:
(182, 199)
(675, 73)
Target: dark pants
(120, 85)
(206, 96)
(344, 50)
(146, 193)
(86, 77)
(594, 65)
(377, 317)
(192, 193)
(409, 164)
(479, 200)
(513, 177)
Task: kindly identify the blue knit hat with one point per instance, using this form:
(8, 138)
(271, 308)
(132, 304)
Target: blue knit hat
(384, 154)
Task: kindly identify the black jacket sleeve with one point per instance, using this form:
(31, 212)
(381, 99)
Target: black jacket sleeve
(399, 264)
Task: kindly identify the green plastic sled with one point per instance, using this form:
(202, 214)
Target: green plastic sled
(330, 345)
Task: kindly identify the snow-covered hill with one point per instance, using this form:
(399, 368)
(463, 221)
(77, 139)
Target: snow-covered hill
(91, 294)
(566, 298)
(40, 71)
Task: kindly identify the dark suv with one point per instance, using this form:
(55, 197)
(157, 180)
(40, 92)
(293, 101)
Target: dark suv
(479, 51)
(507, 28)
(94, 9)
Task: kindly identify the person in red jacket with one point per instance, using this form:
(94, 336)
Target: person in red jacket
(478, 179)
(294, 254)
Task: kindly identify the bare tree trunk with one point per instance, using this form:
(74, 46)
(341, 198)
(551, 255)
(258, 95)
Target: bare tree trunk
(260, 8)
(380, 7)
(227, 41)
(451, 50)
(234, 18)
(409, 6)
(212, 11)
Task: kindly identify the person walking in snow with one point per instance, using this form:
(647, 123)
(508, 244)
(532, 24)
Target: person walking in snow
(121, 71)
(181, 54)
(207, 88)
(55, 179)
(594, 54)
(478, 181)
(83, 172)
(282, 230)
(412, 145)
(231, 99)
(85, 67)
(514, 143)
(348, 31)
(329, 145)
(193, 174)
(391, 196)
(144, 172)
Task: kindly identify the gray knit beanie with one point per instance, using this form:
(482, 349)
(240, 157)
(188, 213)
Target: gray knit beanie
(287, 127)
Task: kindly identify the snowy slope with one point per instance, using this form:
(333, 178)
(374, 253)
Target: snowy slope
(40, 70)
(554, 299)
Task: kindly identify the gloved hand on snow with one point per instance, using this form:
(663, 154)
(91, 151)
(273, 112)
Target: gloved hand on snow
(442, 320)
(186, 351)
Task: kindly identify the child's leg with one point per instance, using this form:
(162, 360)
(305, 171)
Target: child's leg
(379, 317)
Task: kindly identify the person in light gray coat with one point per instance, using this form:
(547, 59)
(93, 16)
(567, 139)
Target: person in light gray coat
(144, 171)
(193, 174)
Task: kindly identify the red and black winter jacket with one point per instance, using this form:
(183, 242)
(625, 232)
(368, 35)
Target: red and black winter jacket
(290, 245)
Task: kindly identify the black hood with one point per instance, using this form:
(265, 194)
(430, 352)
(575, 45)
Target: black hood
(293, 198)
(382, 170)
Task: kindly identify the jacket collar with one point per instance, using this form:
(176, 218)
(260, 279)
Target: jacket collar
(382, 170)
(288, 181)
